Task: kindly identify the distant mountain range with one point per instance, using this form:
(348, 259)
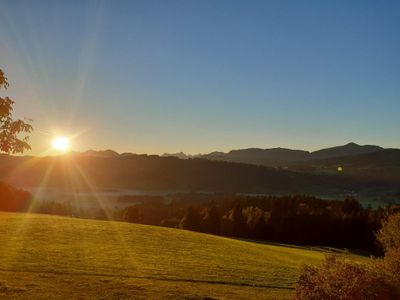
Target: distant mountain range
(268, 157)
(282, 156)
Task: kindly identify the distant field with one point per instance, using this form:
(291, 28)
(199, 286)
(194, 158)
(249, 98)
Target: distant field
(55, 257)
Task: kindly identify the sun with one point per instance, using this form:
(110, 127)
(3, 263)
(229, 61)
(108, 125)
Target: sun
(60, 143)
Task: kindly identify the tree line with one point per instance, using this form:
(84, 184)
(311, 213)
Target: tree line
(295, 219)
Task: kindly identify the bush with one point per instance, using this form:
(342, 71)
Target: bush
(389, 238)
(53, 208)
(172, 223)
(13, 199)
(339, 278)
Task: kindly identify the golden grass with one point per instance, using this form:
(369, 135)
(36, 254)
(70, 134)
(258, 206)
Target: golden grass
(56, 257)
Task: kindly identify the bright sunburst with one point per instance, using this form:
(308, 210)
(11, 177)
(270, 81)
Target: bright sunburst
(60, 143)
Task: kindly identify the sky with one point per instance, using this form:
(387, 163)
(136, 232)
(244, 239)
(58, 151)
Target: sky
(199, 76)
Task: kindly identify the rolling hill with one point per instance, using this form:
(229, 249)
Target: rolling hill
(45, 257)
(370, 164)
(350, 149)
(158, 173)
(155, 173)
(383, 165)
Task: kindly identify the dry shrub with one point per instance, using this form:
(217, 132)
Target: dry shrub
(389, 238)
(339, 278)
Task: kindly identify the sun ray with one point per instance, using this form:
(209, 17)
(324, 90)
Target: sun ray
(19, 236)
(100, 201)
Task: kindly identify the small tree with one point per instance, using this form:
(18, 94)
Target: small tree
(238, 221)
(255, 220)
(389, 238)
(10, 129)
(191, 220)
(211, 220)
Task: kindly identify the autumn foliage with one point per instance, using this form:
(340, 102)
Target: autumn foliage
(10, 129)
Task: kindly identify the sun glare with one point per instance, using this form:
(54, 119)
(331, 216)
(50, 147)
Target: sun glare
(60, 143)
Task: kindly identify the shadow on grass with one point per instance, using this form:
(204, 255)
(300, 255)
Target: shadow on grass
(149, 278)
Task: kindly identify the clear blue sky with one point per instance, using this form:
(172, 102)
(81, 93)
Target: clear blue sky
(197, 76)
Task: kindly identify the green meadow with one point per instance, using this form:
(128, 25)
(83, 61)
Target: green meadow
(50, 257)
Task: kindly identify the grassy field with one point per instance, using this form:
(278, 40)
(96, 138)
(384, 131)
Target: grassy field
(55, 257)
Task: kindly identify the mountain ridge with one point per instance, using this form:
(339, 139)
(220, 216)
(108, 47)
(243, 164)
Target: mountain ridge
(269, 154)
(278, 156)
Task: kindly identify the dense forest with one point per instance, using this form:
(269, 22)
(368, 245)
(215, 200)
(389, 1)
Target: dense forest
(287, 219)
